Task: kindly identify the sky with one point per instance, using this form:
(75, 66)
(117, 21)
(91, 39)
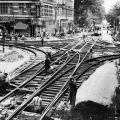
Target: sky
(108, 4)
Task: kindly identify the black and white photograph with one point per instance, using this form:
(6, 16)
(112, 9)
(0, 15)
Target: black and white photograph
(59, 59)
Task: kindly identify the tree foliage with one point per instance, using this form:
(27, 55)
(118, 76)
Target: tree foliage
(87, 11)
(114, 15)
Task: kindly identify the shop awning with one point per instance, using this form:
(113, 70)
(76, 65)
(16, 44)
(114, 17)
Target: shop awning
(21, 25)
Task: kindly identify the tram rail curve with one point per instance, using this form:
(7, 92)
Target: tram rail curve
(36, 64)
(37, 68)
(67, 71)
(69, 66)
(73, 63)
(32, 70)
(86, 69)
(28, 64)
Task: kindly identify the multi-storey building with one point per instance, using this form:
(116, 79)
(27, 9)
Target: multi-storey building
(19, 15)
(48, 15)
(65, 14)
(32, 16)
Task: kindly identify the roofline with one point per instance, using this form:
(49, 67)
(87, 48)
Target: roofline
(19, 1)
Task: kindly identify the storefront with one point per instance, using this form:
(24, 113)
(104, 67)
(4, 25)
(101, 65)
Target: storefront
(22, 28)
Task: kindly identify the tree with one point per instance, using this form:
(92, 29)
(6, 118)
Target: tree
(87, 11)
(114, 15)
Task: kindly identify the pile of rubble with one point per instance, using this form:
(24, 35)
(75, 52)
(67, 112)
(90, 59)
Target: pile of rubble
(12, 56)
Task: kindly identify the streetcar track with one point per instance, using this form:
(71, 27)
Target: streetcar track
(60, 92)
(24, 83)
(42, 86)
(82, 76)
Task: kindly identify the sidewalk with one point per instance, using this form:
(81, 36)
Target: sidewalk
(52, 38)
(106, 37)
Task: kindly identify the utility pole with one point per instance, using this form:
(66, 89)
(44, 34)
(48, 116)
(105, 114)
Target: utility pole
(3, 39)
(38, 10)
(13, 21)
(56, 8)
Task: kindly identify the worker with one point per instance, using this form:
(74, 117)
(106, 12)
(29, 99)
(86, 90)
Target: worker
(4, 81)
(16, 39)
(72, 91)
(47, 64)
(42, 41)
(13, 104)
(117, 99)
(90, 54)
(44, 33)
(49, 55)
(37, 104)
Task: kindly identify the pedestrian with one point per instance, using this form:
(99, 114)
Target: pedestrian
(4, 81)
(72, 91)
(16, 39)
(44, 33)
(73, 32)
(10, 37)
(49, 55)
(55, 31)
(42, 40)
(47, 64)
(90, 54)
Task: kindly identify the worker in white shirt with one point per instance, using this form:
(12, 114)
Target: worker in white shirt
(12, 104)
(37, 103)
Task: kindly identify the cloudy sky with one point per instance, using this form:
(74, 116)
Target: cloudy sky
(108, 4)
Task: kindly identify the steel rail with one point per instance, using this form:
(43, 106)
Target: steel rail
(43, 86)
(29, 66)
(39, 92)
(82, 59)
(65, 62)
(24, 83)
(66, 83)
(65, 87)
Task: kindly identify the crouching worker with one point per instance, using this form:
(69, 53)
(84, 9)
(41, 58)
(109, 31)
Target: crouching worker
(4, 81)
(35, 105)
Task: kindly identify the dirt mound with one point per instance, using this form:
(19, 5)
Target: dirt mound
(11, 57)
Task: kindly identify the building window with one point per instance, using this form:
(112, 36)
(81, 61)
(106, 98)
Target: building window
(4, 8)
(47, 11)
